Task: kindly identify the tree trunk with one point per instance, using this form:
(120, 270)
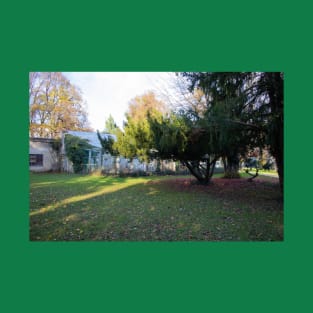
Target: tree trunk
(277, 150)
(280, 170)
(231, 166)
(158, 167)
(276, 95)
(202, 173)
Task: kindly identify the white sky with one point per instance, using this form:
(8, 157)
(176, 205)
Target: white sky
(110, 92)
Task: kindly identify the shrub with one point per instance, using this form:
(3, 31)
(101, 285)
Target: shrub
(77, 151)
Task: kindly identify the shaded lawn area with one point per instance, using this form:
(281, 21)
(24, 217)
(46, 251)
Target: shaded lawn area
(69, 207)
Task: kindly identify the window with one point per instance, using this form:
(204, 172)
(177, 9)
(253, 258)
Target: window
(36, 160)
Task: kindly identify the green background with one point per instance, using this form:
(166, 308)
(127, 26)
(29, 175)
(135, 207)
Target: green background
(156, 276)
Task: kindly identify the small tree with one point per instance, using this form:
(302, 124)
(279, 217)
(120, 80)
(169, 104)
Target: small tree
(107, 144)
(77, 151)
(110, 126)
(136, 138)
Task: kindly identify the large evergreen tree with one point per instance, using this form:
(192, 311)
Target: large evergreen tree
(224, 106)
(253, 115)
(269, 93)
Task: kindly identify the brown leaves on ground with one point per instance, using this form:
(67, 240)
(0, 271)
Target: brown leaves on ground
(260, 191)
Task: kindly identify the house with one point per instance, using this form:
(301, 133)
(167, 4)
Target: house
(43, 155)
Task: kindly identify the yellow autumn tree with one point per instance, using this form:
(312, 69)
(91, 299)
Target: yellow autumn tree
(55, 105)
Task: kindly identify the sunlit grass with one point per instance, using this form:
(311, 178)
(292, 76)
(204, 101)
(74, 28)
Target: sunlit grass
(79, 198)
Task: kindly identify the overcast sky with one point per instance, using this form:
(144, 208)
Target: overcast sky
(110, 92)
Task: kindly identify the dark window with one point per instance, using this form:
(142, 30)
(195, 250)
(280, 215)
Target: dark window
(36, 160)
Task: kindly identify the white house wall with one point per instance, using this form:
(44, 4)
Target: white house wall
(50, 158)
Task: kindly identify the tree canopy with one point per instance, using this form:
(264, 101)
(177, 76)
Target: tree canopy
(249, 106)
(136, 139)
(54, 105)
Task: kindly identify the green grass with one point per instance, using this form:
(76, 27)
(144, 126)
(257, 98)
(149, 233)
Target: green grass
(67, 207)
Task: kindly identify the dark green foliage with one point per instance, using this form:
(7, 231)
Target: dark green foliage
(271, 86)
(225, 112)
(182, 138)
(248, 109)
(107, 144)
(169, 136)
(77, 151)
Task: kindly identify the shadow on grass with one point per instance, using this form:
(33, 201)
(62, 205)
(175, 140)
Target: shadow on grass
(158, 210)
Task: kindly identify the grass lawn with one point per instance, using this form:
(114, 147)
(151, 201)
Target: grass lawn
(68, 207)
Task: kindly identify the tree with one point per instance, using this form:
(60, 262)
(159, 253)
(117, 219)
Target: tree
(255, 117)
(110, 126)
(214, 98)
(77, 151)
(107, 144)
(192, 142)
(190, 134)
(107, 141)
(140, 106)
(55, 105)
(136, 139)
(225, 101)
(269, 93)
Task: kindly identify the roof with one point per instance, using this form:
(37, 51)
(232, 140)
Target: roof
(39, 139)
(92, 137)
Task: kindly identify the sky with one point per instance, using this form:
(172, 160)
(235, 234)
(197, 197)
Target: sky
(110, 92)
